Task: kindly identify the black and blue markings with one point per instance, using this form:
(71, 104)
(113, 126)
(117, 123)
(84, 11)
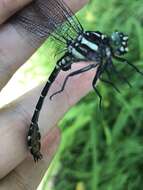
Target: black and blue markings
(46, 17)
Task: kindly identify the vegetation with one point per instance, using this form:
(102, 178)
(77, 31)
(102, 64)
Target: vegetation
(105, 148)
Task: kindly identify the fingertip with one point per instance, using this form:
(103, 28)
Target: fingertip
(76, 5)
(9, 7)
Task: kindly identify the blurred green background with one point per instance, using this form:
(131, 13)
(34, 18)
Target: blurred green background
(103, 150)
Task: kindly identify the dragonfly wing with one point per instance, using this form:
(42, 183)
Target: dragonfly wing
(47, 17)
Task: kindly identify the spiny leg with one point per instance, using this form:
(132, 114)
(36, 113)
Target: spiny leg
(100, 97)
(98, 73)
(123, 78)
(108, 74)
(130, 64)
(110, 83)
(77, 72)
(109, 77)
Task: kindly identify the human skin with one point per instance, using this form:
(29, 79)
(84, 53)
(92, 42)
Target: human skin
(17, 168)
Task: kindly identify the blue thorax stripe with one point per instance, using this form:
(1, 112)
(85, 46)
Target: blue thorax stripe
(89, 43)
(84, 48)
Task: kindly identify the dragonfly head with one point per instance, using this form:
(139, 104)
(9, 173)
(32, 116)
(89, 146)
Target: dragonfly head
(119, 43)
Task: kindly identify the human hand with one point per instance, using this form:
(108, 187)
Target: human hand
(17, 168)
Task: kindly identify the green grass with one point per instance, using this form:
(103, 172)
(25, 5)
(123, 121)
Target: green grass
(103, 150)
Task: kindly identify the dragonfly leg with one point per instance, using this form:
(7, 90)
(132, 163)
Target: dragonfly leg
(97, 75)
(77, 72)
(110, 83)
(122, 60)
(122, 77)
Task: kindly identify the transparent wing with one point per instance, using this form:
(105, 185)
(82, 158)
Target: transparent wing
(48, 17)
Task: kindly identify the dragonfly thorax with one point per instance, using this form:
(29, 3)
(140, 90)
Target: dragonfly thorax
(84, 44)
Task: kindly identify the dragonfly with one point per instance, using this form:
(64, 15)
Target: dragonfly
(53, 17)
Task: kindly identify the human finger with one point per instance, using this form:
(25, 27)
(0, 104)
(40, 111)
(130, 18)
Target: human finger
(9, 7)
(15, 118)
(16, 49)
(28, 175)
